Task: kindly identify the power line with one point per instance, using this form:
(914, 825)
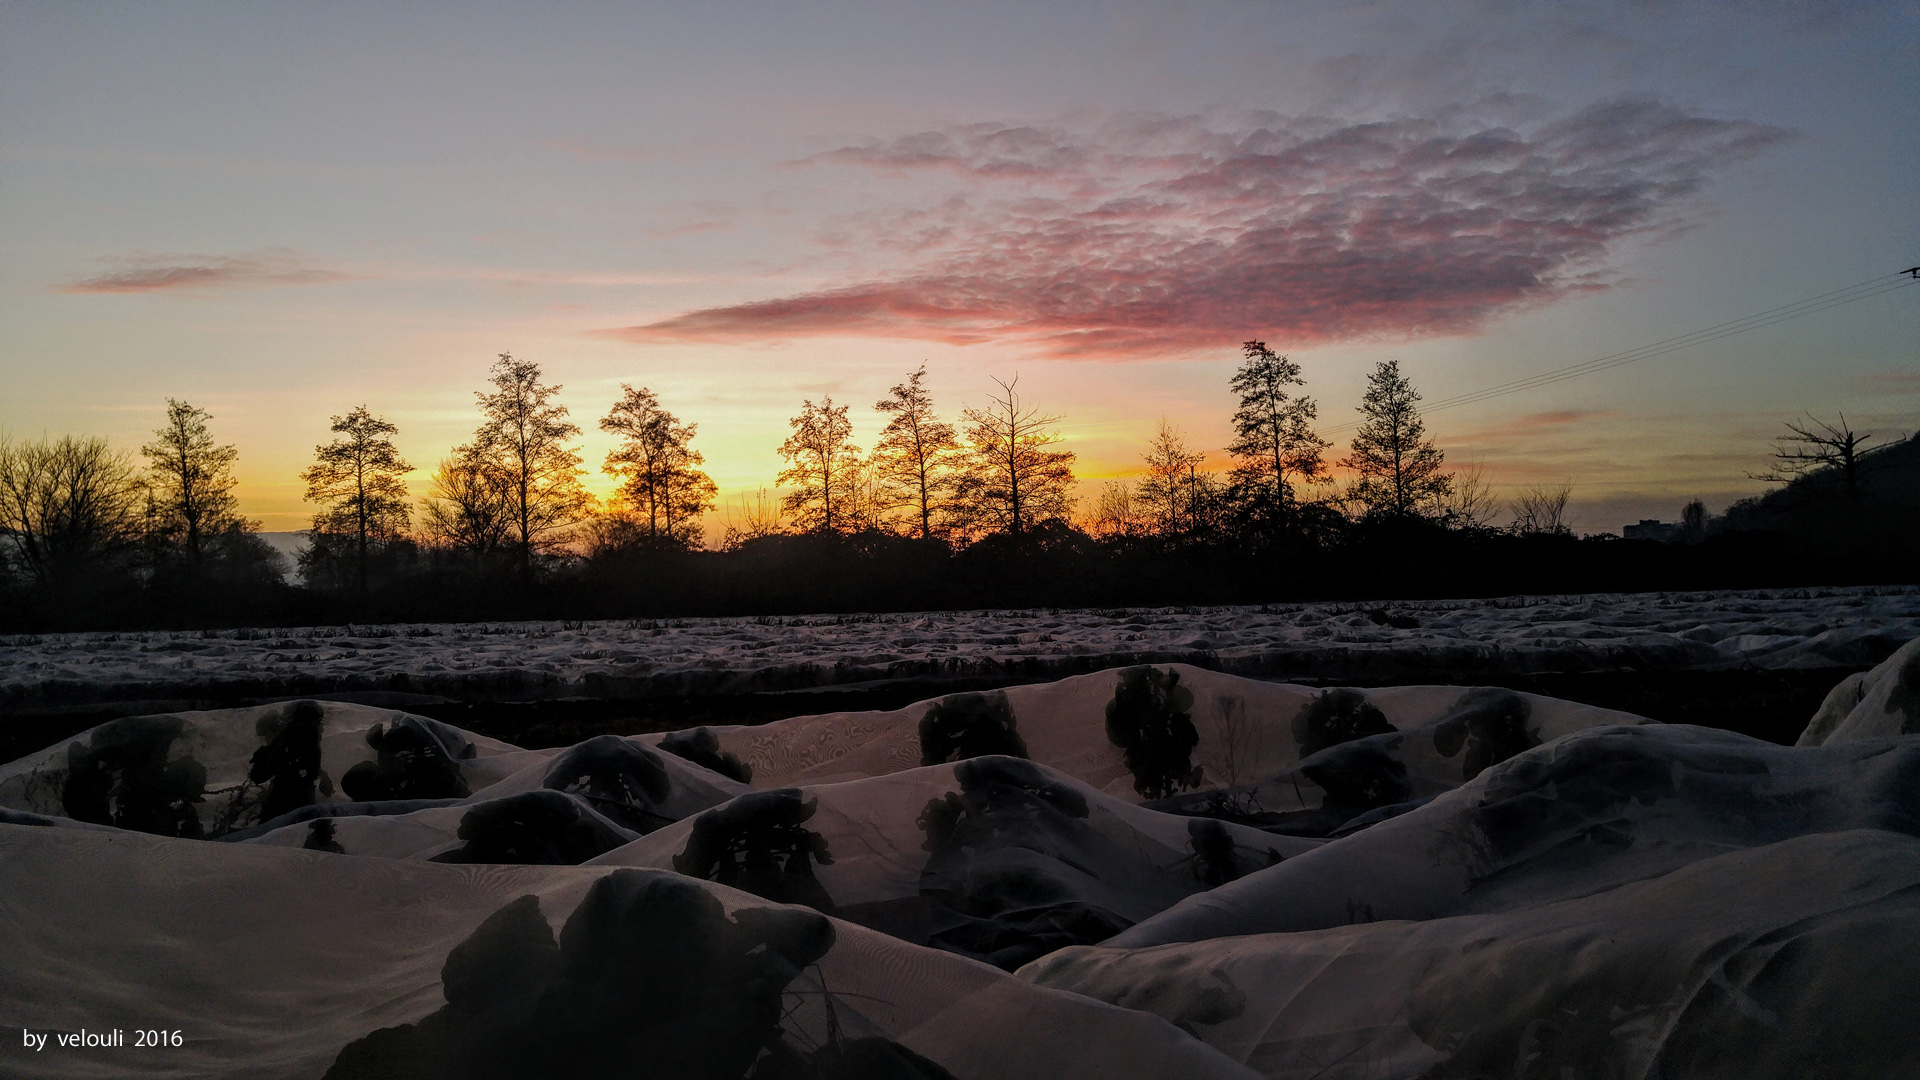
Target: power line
(1698, 337)
(1870, 288)
(1727, 329)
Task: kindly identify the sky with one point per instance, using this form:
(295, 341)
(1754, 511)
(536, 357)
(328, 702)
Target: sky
(281, 212)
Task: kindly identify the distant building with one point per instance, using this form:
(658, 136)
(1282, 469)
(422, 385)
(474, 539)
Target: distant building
(1651, 529)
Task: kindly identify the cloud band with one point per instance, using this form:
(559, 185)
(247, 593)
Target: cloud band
(1163, 235)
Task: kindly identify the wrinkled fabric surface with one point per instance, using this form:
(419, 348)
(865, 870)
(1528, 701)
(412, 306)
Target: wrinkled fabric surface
(1193, 874)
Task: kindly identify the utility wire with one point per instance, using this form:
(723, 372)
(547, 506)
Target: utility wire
(1659, 348)
(1873, 287)
(1698, 337)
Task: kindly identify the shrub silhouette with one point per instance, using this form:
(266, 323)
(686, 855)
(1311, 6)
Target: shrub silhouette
(649, 977)
(1215, 860)
(989, 785)
(759, 843)
(289, 762)
(1358, 776)
(416, 758)
(1007, 849)
(701, 747)
(123, 776)
(320, 837)
(1150, 717)
(969, 725)
(618, 777)
(1337, 716)
(539, 828)
(1490, 723)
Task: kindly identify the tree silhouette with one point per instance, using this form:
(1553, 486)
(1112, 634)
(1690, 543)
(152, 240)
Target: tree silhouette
(750, 517)
(658, 469)
(1012, 481)
(1541, 510)
(1469, 505)
(1151, 719)
(823, 468)
(1203, 501)
(914, 460)
(1693, 522)
(358, 476)
(191, 483)
(1117, 512)
(1398, 466)
(1816, 446)
(1274, 442)
(1165, 493)
(65, 506)
(524, 437)
(468, 506)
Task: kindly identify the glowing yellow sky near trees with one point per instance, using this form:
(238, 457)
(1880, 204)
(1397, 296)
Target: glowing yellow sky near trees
(280, 213)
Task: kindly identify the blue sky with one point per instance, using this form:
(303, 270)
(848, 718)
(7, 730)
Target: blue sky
(280, 212)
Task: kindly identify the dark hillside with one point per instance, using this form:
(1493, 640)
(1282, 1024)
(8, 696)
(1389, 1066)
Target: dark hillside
(1817, 510)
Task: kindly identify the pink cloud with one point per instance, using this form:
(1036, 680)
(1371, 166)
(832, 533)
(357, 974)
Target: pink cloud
(1534, 423)
(689, 229)
(1162, 235)
(1898, 382)
(163, 273)
(593, 150)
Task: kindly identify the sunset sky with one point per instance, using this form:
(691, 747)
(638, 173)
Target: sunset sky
(279, 212)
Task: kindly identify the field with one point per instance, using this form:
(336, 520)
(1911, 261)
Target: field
(1319, 840)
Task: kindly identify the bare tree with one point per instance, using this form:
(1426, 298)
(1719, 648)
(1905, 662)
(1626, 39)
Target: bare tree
(1116, 513)
(750, 517)
(469, 505)
(65, 506)
(613, 531)
(658, 469)
(1470, 504)
(1164, 493)
(358, 478)
(1241, 738)
(1398, 466)
(870, 504)
(1013, 481)
(523, 437)
(1274, 443)
(913, 462)
(1203, 501)
(1816, 446)
(823, 468)
(191, 481)
(1541, 510)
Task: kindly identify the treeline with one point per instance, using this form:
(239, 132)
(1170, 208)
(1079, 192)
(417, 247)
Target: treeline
(978, 513)
(90, 539)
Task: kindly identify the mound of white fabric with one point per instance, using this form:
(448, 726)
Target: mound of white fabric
(210, 773)
(992, 857)
(274, 963)
(1788, 960)
(1883, 701)
(1105, 729)
(1622, 901)
(1200, 874)
(234, 773)
(1000, 826)
(1584, 813)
